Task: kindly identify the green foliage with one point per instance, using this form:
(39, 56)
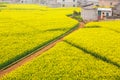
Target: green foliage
(3, 2)
(76, 15)
(1, 5)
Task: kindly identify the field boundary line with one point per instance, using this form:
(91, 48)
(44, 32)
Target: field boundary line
(38, 51)
(94, 54)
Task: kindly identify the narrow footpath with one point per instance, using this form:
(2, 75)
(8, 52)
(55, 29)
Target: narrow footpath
(31, 57)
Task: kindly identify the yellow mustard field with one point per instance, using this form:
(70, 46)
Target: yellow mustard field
(113, 25)
(24, 28)
(100, 39)
(66, 62)
(90, 53)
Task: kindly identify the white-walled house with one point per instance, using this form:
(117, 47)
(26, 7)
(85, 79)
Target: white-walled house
(67, 3)
(21, 1)
(52, 3)
(61, 3)
(26, 1)
(10, 1)
(104, 13)
(91, 14)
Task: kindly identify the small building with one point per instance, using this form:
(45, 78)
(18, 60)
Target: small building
(59, 3)
(103, 13)
(26, 1)
(89, 13)
(108, 3)
(7, 1)
(20, 1)
(51, 3)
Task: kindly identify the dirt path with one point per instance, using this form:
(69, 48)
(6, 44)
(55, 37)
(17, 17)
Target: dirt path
(31, 57)
(81, 25)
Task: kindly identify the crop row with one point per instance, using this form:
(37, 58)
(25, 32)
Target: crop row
(111, 25)
(102, 43)
(67, 62)
(22, 31)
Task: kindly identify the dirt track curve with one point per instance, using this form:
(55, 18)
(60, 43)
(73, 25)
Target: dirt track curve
(29, 58)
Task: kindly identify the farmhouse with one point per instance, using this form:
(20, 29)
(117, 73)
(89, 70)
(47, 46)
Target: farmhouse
(20, 1)
(90, 13)
(61, 3)
(103, 13)
(8, 1)
(69, 3)
(53, 3)
(64, 3)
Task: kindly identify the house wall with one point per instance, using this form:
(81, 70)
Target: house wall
(9, 1)
(105, 14)
(84, 2)
(25, 1)
(116, 10)
(55, 3)
(118, 7)
(20, 1)
(67, 3)
(61, 3)
(89, 14)
(51, 1)
(108, 2)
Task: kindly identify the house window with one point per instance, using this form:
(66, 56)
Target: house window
(63, 5)
(73, 0)
(21, 1)
(73, 5)
(111, 4)
(107, 14)
(99, 13)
